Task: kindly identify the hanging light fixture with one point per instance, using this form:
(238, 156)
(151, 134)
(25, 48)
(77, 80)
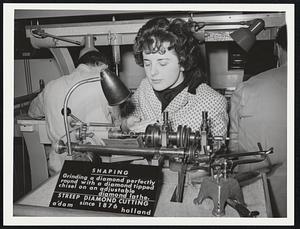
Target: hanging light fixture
(246, 37)
(89, 45)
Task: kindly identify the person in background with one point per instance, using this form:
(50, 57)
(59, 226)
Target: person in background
(258, 114)
(87, 103)
(175, 81)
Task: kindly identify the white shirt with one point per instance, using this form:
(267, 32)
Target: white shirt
(87, 102)
(259, 114)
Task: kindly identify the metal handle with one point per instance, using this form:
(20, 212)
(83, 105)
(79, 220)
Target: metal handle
(242, 209)
(42, 34)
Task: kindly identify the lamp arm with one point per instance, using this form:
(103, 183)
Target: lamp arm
(42, 34)
(228, 23)
(89, 80)
(200, 25)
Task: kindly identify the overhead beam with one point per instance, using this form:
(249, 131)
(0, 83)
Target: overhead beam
(127, 30)
(31, 14)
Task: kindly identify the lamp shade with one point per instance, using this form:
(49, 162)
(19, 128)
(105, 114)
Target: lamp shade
(246, 37)
(113, 88)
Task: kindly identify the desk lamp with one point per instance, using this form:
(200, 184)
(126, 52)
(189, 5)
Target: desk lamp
(246, 37)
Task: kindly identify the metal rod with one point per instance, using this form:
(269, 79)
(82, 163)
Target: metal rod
(262, 153)
(228, 23)
(90, 80)
(44, 35)
(101, 124)
(128, 151)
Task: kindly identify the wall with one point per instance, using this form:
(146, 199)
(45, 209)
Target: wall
(131, 73)
(45, 69)
(220, 76)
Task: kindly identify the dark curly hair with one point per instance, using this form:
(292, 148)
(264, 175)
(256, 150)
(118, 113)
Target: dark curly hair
(178, 32)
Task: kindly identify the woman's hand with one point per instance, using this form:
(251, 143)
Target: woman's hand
(137, 125)
(95, 70)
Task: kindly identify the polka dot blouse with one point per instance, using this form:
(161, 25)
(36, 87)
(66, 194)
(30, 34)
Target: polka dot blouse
(184, 109)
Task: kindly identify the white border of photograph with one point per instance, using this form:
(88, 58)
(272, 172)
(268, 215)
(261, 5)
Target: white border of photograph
(8, 67)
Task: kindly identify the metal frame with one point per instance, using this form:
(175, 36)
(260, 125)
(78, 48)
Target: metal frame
(125, 31)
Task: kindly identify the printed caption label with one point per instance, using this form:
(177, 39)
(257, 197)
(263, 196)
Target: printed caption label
(118, 188)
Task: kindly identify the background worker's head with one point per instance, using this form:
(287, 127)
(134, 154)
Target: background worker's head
(168, 52)
(93, 58)
(90, 55)
(281, 45)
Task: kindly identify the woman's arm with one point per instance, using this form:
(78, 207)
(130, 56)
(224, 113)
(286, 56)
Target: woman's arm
(37, 106)
(219, 117)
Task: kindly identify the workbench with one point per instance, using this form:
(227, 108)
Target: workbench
(36, 203)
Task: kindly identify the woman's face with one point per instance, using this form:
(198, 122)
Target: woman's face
(163, 70)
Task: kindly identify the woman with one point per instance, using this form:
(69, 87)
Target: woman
(175, 82)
